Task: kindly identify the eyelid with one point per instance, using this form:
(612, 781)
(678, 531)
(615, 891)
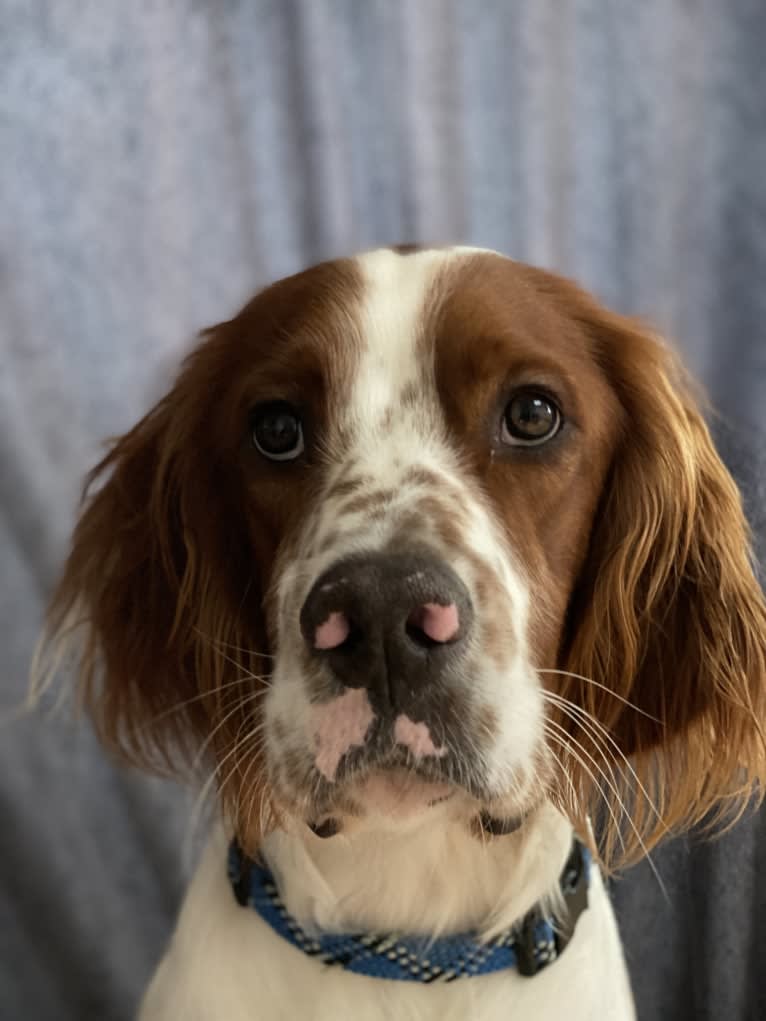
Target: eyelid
(537, 384)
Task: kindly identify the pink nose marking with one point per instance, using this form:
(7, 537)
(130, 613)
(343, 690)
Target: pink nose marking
(338, 726)
(439, 623)
(416, 737)
(332, 632)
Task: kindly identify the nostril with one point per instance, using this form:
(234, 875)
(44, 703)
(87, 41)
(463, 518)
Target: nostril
(333, 631)
(432, 624)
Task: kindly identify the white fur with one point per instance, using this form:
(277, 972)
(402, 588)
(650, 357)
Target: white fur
(429, 872)
(226, 964)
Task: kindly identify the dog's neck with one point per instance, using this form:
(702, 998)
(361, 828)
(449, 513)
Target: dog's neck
(434, 876)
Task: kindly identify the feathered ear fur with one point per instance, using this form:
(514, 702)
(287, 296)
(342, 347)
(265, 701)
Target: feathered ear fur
(667, 618)
(159, 600)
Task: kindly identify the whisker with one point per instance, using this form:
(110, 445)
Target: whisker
(206, 787)
(253, 743)
(597, 684)
(239, 706)
(217, 643)
(255, 790)
(584, 718)
(567, 744)
(177, 707)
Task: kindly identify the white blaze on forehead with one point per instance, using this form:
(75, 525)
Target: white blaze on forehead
(396, 291)
(388, 435)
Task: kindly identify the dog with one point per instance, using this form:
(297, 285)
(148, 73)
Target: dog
(432, 559)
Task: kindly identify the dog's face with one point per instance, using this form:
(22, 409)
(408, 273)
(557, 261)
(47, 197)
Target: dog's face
(454, 464)
(426, 527)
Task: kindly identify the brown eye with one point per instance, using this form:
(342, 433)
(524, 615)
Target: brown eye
(277, 431)
(530, 418)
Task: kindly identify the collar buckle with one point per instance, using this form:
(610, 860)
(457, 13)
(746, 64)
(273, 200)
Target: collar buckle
(525, 945)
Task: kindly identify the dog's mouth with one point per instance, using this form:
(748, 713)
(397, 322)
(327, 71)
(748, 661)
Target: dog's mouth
(398, 791)
(400, 795)
(390, 783)
(376, 783)
(391, 773)
(394, 795)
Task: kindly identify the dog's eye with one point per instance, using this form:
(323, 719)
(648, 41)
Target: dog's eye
(277, 431)
(530, 418)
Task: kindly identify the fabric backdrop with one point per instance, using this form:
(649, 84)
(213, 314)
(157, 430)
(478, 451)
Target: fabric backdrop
(160, 160)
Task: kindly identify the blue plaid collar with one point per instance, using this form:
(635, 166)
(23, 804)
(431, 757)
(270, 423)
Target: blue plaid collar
(528, 946)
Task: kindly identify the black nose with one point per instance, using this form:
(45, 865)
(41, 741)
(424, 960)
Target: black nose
(394, 623)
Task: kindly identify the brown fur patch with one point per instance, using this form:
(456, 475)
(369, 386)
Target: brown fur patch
(387, 419)
(173, 556)
(347, 485)
(632, 535)
(420, 476)
(367, 501)
(487, 722)
(492, 606)
(496, 335)
(411, 395)
(328, 542)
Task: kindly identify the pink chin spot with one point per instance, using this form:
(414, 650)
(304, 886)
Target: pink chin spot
(439, 623)
(416, 737)
(332, 632)
(337, 726)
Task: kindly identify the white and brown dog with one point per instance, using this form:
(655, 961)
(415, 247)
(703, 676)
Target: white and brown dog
(433, 555)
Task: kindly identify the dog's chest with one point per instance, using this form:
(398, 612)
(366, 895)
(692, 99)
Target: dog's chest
(226, 962)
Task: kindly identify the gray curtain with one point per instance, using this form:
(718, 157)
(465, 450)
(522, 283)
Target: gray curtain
(159, 161)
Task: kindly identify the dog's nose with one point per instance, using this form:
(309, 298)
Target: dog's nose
(393, 623)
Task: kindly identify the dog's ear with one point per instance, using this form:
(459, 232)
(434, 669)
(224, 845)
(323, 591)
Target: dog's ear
(153, 598)
(667, 622)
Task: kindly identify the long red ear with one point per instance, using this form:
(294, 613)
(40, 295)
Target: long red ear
(155, 593)
(668, 623)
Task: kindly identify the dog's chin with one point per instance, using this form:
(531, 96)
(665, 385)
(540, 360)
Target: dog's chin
(386, 797)
(392, 795)
(396, 798)
(399, 794)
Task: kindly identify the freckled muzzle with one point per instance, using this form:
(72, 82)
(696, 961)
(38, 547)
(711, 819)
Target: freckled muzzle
(393, 624)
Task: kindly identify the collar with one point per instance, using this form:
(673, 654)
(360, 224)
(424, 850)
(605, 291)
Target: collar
(529, 946)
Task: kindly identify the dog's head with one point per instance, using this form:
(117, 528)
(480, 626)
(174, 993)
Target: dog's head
(427, 526)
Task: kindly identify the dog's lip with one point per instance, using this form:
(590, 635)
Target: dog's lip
(347, 796)
(401, 795)
(360, 763)
(443, 798)
(400, 792)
